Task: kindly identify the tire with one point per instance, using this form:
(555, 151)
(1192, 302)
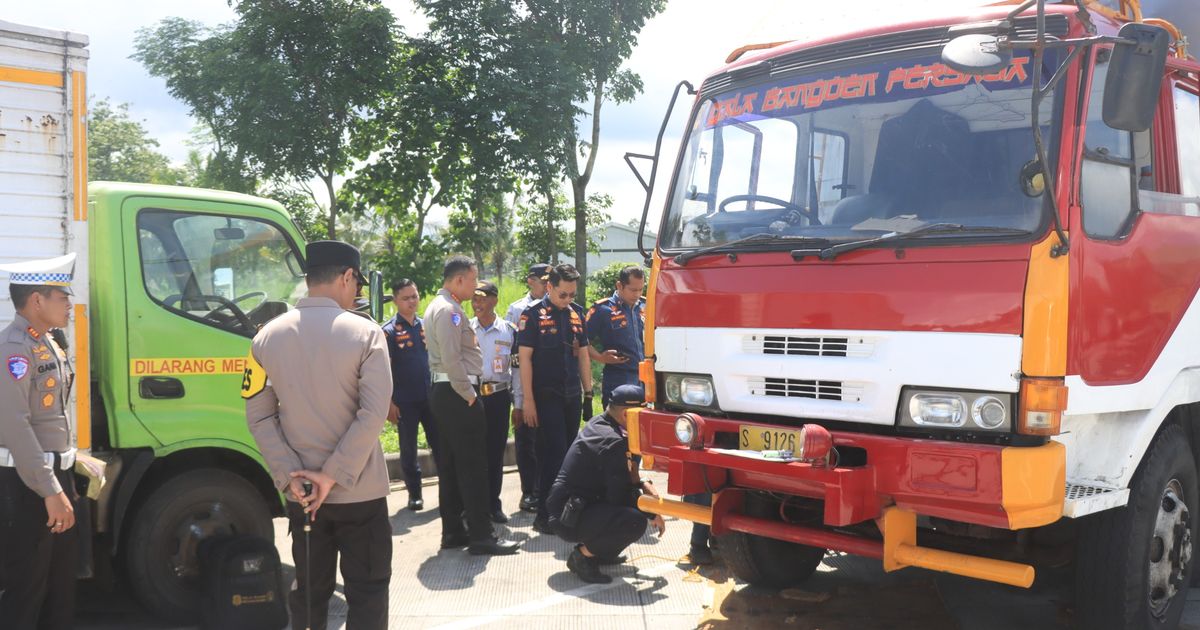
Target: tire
(160, 551)
(768, 562)
(1133, 564)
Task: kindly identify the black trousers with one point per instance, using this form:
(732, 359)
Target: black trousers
(462, 469)
(411, 415)
(605, 529)
(524, 437)
(37, 568)
(361, 533)
(495, 409)
(558, 424)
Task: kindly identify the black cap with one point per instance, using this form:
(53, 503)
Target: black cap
(628, 395)
(540, 271)
(485, 288)
(334, 254)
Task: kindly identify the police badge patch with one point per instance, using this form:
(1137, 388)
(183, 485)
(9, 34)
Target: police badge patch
(18, 367)
(455, 319)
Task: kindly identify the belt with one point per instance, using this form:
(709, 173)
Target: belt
(66, 459)
(442, 377)
(487, 389)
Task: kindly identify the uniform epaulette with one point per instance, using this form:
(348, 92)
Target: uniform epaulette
(362, 315)
(600, 302)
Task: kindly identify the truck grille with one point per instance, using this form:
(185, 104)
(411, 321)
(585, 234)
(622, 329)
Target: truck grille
(800, 388)
(855, 347)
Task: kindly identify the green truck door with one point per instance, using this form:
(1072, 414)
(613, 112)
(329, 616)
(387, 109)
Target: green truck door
(203, 277)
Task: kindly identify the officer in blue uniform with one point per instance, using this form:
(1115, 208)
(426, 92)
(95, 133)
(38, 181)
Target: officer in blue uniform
(555, 372)
(405, 334)
(617, 325)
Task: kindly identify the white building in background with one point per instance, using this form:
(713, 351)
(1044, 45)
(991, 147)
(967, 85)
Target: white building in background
(618, 244)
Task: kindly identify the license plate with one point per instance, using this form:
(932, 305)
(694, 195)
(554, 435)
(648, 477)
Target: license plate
(758, 438)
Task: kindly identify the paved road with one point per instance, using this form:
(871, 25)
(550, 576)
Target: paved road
(453, 590)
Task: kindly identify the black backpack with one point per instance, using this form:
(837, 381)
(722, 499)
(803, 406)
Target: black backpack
(243, 584)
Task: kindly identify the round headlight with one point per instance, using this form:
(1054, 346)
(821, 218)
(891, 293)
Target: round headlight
(937, 410)
(989, 412)
(685, 430)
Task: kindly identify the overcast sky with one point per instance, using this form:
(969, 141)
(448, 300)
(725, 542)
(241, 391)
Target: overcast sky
(690, 39)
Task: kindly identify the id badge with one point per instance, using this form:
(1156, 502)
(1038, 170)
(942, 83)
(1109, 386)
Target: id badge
(498, 366)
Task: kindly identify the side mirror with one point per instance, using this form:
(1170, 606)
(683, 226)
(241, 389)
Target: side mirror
(976, 54)
(1135, 75)
(375, 293)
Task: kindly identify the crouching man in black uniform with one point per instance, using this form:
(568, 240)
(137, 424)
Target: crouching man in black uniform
(593, 502)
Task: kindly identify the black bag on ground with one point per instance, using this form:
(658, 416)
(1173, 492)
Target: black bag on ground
(243, 584)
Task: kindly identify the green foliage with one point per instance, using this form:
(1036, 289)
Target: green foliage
(120, 149)
(543, 229)
(603, 281)
(279, 88)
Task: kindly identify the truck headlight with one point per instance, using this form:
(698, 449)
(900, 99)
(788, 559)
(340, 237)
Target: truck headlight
(688, 389)
(970, 411)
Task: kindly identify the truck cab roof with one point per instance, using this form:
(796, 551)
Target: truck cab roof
(102, 189)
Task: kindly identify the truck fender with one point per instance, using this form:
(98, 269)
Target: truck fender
(127, 486)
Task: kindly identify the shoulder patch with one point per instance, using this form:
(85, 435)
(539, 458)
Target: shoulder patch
(254, 377)
(521, 322)
(18, 367)
(455, 318)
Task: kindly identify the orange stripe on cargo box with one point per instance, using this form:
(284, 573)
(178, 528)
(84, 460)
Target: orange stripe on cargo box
(32, 77)
(83, 378)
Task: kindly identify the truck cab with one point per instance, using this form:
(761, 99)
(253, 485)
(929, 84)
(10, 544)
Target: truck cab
(180, 279)
(939, 317)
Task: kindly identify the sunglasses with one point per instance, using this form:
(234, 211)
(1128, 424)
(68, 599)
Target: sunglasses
(563, 295)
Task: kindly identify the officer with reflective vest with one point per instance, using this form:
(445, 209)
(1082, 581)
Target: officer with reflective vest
(617, 324)
(38, 538)
(555, 372)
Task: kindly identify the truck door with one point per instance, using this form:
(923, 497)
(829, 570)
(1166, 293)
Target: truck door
(203, 278)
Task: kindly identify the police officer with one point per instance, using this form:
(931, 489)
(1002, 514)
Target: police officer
(555, 372)
(317, 387)
(617, 325)
(497, 339)
(457, 364)
(405, 335)
(38, 538)
(593, 501)
(523, 434)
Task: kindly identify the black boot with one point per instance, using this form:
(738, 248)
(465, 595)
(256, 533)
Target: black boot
(586, 568)
(414, 500)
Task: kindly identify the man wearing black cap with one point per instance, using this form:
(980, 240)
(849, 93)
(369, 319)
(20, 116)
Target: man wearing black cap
(523, 434)
(497, 341)
(593, 501)
(317, 387)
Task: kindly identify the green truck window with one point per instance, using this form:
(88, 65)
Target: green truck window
(229, 272)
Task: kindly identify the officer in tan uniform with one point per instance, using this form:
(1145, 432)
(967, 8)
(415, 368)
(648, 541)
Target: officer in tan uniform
(38, 539)
(457, 363)
(317, 387)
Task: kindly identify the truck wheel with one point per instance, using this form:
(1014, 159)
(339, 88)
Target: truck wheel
(1133, 564)
(160, 551)
(763, 561)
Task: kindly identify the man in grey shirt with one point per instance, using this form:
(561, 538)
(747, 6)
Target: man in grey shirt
(498, 342)
(317, 387)
(457, 364)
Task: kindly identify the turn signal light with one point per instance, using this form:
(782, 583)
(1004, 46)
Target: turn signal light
(1043, 401)
(646, 376)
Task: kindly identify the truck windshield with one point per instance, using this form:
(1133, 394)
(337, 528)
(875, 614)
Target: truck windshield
(855, 153)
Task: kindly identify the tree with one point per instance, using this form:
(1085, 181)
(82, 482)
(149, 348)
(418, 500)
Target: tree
(281, 87)
(120, 149)
(485, 231)
(557, 54)
(543, 233)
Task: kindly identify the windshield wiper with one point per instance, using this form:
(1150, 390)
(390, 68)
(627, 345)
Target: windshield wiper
(831, 252)
(761, 237)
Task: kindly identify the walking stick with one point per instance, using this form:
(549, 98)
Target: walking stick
(308, 487)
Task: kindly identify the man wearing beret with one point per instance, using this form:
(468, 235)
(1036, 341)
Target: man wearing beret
(317, 387)
(593, 501)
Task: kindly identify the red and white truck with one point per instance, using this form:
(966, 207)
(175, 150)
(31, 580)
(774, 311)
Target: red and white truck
(928, 293)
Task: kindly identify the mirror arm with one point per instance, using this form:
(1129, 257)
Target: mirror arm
(649, 186)
(1039, 93)
(629, 158)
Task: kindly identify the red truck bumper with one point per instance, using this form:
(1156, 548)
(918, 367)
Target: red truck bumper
(892, 479)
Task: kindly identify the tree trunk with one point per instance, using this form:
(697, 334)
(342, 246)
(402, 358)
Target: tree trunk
(477, 224)
(331, 225)
(551, 229)
(579, 184)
